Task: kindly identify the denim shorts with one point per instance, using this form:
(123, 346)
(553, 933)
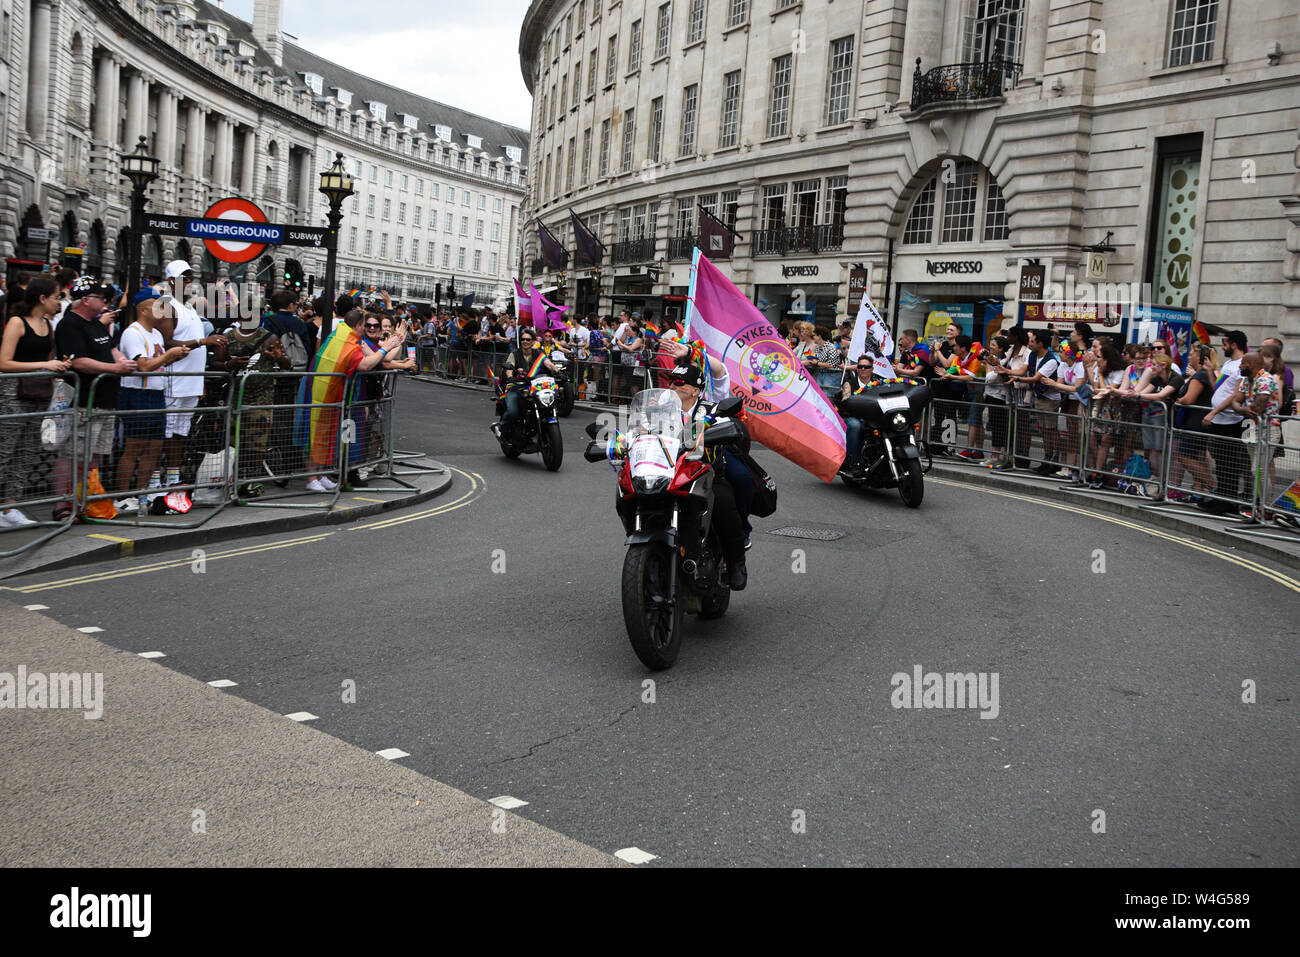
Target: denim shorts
(139, 403)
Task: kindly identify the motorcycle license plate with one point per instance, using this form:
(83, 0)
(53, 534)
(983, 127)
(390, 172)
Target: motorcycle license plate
(890, 403)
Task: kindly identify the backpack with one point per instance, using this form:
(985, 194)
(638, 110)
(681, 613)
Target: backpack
(294, 347)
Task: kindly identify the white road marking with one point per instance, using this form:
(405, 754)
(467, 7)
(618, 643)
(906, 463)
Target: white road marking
(393, 753)
(222, 683)
(634, 855)
(152, 654)
(90, 629)
(507, 802)
(301, 716)
(36, 607)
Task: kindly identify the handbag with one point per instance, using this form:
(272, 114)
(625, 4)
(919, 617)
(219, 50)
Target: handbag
(764, 502)
(36, 388)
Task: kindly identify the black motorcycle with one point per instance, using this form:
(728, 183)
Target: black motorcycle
(674, 562)
(536, 429)
(564, 380)
(892, 454)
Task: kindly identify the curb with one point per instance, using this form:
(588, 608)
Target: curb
(1125, 507)
(294, 520)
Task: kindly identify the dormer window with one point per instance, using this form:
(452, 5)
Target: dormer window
(409, 121)
(217, 32)
(315, 82)
(475, 142)
(378, 110)
(246, 49)
(443, 133)
(343, 96)
(515, 153)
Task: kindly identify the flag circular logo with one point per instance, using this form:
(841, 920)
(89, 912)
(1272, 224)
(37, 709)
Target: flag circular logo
(768, 372)
(240, 210)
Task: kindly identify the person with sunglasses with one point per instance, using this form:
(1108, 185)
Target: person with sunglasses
(518, 368)
(860, 382)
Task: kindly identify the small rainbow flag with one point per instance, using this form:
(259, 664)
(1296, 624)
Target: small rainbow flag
(922, 352)
(1289, 500)
(1200, 332)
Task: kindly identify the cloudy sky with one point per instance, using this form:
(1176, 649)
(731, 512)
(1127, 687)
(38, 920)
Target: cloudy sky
(462, 53)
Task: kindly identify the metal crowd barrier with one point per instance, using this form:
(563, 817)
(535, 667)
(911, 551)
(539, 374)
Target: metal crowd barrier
(37, 449)
(276, 430)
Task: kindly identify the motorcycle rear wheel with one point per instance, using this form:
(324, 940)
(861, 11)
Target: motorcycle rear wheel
(653, 628)
(715, 605)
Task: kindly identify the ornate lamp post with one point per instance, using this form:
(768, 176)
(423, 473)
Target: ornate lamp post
(336, 184)
(141, 169)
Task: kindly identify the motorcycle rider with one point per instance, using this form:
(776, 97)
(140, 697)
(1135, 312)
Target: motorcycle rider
(688, 382)
(519, 368)
(853, 426)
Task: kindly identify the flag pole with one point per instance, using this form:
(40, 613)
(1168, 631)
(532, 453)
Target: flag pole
(690, 294)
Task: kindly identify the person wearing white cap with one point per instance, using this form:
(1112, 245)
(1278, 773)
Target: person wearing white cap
(182, 326)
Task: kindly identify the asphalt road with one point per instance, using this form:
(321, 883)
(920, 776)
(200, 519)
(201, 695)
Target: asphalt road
(1120, 659)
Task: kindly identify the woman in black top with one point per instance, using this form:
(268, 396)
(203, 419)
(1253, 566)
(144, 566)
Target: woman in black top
(27, 346)
(1194, 400)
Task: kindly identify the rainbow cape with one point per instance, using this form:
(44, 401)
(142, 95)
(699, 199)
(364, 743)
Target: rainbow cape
(341, 353)
(1200, 332)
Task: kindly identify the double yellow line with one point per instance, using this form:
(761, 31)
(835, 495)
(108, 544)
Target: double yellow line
(477, 487)
(1284, 580)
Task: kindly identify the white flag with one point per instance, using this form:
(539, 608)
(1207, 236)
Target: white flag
(870, 324)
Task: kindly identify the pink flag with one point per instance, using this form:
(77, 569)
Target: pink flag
(784, 408)
(546, 314)
(523, 305)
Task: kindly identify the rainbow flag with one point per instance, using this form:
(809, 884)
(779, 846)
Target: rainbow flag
(922, 352)
(340, 353)
(785, 410)
(1200, 332)
(1289, 500)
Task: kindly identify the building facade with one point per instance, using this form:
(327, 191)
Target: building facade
(950, 150)
(234, 109)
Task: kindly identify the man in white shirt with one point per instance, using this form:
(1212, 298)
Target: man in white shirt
(181, 325)
(1227, 450)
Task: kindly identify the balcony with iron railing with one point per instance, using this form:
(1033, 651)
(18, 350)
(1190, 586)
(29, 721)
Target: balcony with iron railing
(633, 251)
(783, 240)
(682, 247)
(963, 83)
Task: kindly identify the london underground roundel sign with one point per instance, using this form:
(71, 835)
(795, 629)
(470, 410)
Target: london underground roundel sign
(238, 211)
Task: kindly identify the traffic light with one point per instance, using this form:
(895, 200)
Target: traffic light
(311, 285)
(437, 294)
(293, 276)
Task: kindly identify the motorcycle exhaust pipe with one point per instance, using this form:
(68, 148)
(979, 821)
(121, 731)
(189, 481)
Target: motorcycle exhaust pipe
(690, 566)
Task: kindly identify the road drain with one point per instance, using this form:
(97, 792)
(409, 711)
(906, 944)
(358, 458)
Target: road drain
(809, 532)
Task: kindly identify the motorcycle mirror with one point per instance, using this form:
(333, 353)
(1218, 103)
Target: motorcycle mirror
(729, 406)
(592, 430)
(595, 452)
(723, 433)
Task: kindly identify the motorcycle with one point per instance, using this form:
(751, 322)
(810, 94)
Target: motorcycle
(892, 455)
(536, 429)
(674, 562)
(564, 376)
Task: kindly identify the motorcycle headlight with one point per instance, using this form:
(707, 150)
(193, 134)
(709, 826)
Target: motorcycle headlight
(546, 397)
(899, 421)
(649, 486)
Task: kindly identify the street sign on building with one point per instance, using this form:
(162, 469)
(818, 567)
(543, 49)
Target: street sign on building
(1096, 265)
(1031, 283)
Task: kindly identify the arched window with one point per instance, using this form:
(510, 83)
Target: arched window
(93, 261)
(183, 250)
(961, 203)
(151, 259)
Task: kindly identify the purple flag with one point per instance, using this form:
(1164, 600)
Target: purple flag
(553, 253)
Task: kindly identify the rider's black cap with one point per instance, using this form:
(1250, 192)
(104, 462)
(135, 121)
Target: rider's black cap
(691, 375)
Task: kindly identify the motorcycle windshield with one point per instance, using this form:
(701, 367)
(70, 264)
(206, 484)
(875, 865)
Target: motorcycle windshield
(654, 434)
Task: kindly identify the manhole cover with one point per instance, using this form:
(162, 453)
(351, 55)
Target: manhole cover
(809, 532)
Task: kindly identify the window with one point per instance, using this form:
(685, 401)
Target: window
(464, 225)
(695, 22)
(1191, 35)
(836, 201)
(731, 206)
(564, 93)
(773, 208)
(478, 229)
(729, 127)
(433, 190)
(356, 198)
(611, 60)
(803, 207)
(419, 187)
(415, 249)
(959, 204)
(370, 205)
(577, 80)
(559, 171)
(690, 103)
(778, 114)
(496, 232)
(739, 13)
(995, 213)
(464, 197)
(586, 156)
(405, 182)
(663, 29)
(352, 239)
(656, 128)
(569, 170)
(492, 264)
(388, 209)
(388, 177)
(446, 256)
(550, 116)
(374, 174)
(685, 216)
(920, 221)
(401, 212)
(582, 12)
(995, 31)
(419, 212)
(591, 72)
(478, 260)
(428, 255)
(568, 29)
(451, 194)
(482, 201)
(604, 148)
(383, 245)
(447, 223)
(839, 80)
(398, 248)
(634, 48)
(629, 137)
(460, 258)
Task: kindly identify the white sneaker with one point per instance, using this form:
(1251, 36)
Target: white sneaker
(15, 518)
(330, 484)
(5, 520)
(315, 486)
(128, 505)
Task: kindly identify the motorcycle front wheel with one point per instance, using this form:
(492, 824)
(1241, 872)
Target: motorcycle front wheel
(653, 617)
(552, 446)
(911, 484)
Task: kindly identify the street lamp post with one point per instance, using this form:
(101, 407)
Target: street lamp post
(336, 184)
(141, 169)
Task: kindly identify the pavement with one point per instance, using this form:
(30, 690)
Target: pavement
(417, 480)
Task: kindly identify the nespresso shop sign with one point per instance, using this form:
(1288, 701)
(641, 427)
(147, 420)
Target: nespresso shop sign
(950, 267)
